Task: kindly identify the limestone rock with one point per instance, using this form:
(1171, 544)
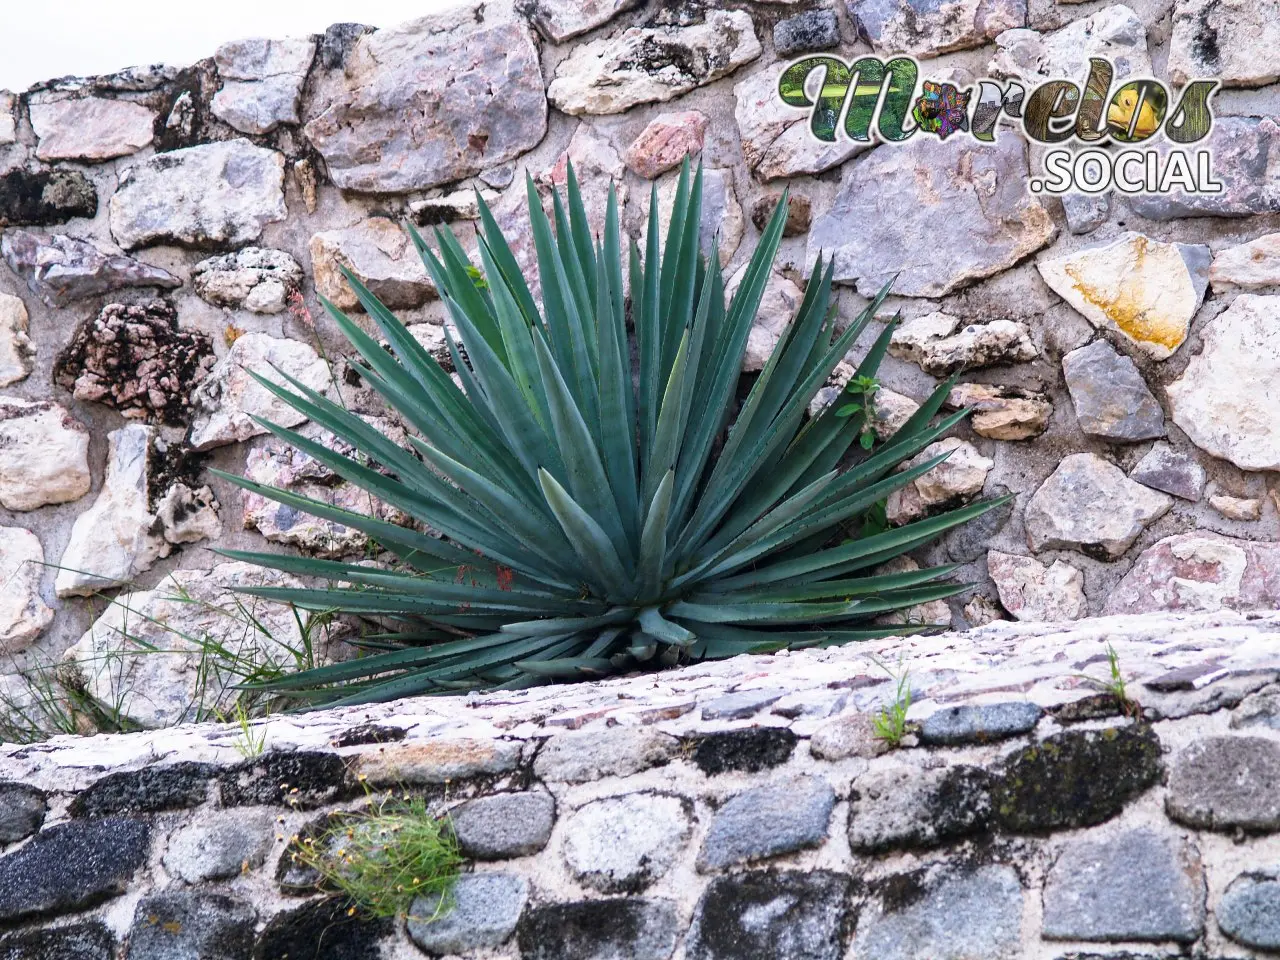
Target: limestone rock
(1171, 471)
(1217, 402)
(957, 480)
(44, 454)
(1031, 591)
(1236, 508)
(848, 735)
(382, 257)
(23, 614)
(214, 193)
(1145, 289)
(1236, 42)
(1199, 571)
(438, 761)
(42, 196)
(60, 269)
(1110, 397)
(811, 30)
(472, 76)
(16, 349)
(256, 279)
(261, 82)
(1114, 32)
(117, 659)
(561, 20)
(1002, 413)
(652, 64)
(89, 128)
(665, 142)
(227, 399)
(135, 358)
(925, 29)
(980, 611)
(776, 139)
(941, 346)
(586, 755)
(1247, 265)
(8, 124)
(624, 844)
(890, 411)
(1088, 504)
(778, 307)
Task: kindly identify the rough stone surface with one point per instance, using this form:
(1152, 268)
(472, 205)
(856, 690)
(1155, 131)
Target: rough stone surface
(983, 723)
(214, 193)
(44, 197)
(88, 940)
(1216, 402)
(559, 21)
(793, 914)
(1138, 884)
(624, 844)
(439, 761)
(1116, 33)
(749, 750)
(613, 929)
(799, 213)
(61, 269)
(1088, 504)
(780, 817)
(256, 279)
(907, 808)
(740, 705)
(380, 255)
(261, 82)
(1249, 911)
(481, 914)
(848, 735)
(23, 614)
(1247, 265)
(943, 344)
(1144, 289)
(8, 125)
(1110, 398)
(222, 846)
(1085, 214)
(778, 307)
(1235, 42)
(665, 142)
(43, 454)
(16, 348)
(322, 930)
(1030, 590)
(474, 79)
(957, 480)
(89, 128)
(505, 825)
(1171, 471)
(22, 810)
(176, 786)
(1002, 413)
(811, 30)
(924, 29)
(588, 755)
(182, 924)
(1226, 783)
(1236, 508)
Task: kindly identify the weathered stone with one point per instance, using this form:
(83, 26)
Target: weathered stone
(504, 825)
(1085, 213)
(42, 197)
(979, 723)
(811, 30)
(1145, 289)
(182, 924)
(23, 614)
(89, 128)
(8, 123)
(941, 346)
(585, 755)
(652, 64)
(600, 930)
(71, 866)
(480, 913)
(980, 611)
(1088, 504)
(59, 269)
(450, 207)
(1002, 413)
(749, 750)
(890, 411)
(1114, 32)
(256, 279)
(1215, 400)
(221, 845)
(176, 786)
(1110, 398)
(474, 79)
(1075, 779)
(970, 541)
(799, 213)
(778, 305)
(1136, 884)
(261, 82)
(969, 198)
(1172, 471)
(43, 454)
(561, 20)
(1258, 710)
(87, 940)
(924, 29)
(776, 139)
(301, 779)
(228, 398)
(1249, 911)
(957, 480)
(1237, 43)
(740, 705)
(326, 929)
(22, 810)
(1236, 508)
(16, 349)
(722, 217)
(800, 915)
(1031, 591)
(146, 655)
(665, 142)
(1247, 265)
(847, 735)
(1226, 783)
(438, 761)
(781, 817)
(624, 844)
(214, 193)
(1199, 571)
(951, 916)
(903, 807)
(381, 256)
(931, 612)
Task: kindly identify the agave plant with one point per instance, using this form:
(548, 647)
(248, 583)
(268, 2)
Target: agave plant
(605, 497)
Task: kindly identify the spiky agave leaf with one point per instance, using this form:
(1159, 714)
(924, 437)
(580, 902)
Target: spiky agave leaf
(599, 515)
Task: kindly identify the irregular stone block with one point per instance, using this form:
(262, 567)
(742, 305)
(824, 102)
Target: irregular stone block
(561, 20)
(591, 754)
(88, 128)
(16, 348)
(1002, 413)
(256, 279)
(176, 786)
(1199, 571)
(1249, 912)
(1226, 783)
(905, 808)
(88, 940)
(43, 197)
(322, 930)
(221, 846)
(44, 454)
(23, 613)
(955, 481)
(380, 255)
(22, 810)
(1114, 32)
(1237, 43)
(1032, 591)
(1110, 398)
(480, 913)
(1085, 214)
(261, 82)
(722, 217)
(845, 736)
(504, 825)
(8, 123)
(800, 915)
(624, 844)
(768, 821)
(739, 706)
(811, 30)
(1236, 508)
(747, 751)
(594, 929)
(665, 142)
(177, 924)
(302, 779)
(1171, 471)
(925, 29)
(943, 344)
(799, 213)
(979, 723)
(438, 761)
(1247, 265)
(60, 269)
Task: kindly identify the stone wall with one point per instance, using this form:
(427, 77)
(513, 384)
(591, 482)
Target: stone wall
(733, 811)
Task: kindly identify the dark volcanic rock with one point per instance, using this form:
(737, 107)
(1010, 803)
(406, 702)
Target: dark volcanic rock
(148, 790)
(597, 929)
(748, 751)
(79, 941)
(304, 779)
(191, 925)
(44, 197)
(61, 269)
(906, 808)
(322, 930)
(22, 810)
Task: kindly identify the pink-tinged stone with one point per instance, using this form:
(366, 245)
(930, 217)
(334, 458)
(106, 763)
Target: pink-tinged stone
(1200, 571)
(666, 141)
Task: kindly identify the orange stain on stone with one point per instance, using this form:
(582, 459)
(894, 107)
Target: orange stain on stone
(1127, 308)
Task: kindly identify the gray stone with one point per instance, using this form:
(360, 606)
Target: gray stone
(221, 845)
(380, 254)
(811, 30)
(191, 925)
(149, 789)
(87, 940)
(1137, 884)
(591, 754)
(1088, 504)
(847, 735)
(616, 929)
(43, 197)
(561, 20)
(44, 454)
(255, 279)
(1259, 710)
(1115, 32)
(969, 198)
(1226, 783)
(926, 29)
(722, 216)
(60, 269)
(781, 817)
(88, 128)
(1249, 911)
(261, 82)
(504, 825)
(943, 344)
(1237, 43)
(908, 808)
(214, 193)
(22, 810)
(1110, 397)
(481, 914)
(970, 541)
(952, 916)
(794, 915)
(473, 76)
(23, 613)
(1171, 471)
(623, 844)
(1086, 213)
(739, 706)
(979, 723)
